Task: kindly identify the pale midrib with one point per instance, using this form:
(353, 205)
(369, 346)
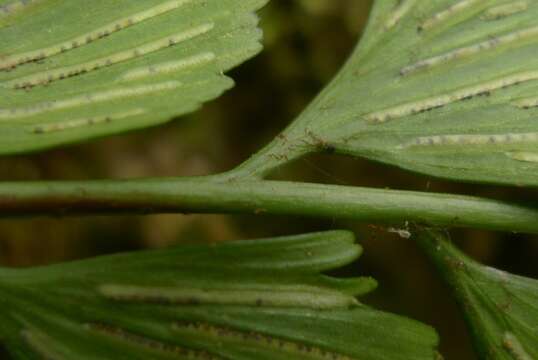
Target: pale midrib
(475, 49)
(417, 107)
(99, 33)
(515, 348)
(45, 77)
(504, 10)
(530, 157)
(476, 139)
(274, 295)
(245, 338)
(41, 345)
(88, 99)
(85, 122)
(148, 343)
(527, 103)
(168, 67)
(446, 14)
(399, 12)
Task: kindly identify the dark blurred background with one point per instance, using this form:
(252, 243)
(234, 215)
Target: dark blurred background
(306, 41)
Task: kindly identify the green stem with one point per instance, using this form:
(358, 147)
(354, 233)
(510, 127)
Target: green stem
(283, 149)
(206, 195)
(442, 253)
(471, 287)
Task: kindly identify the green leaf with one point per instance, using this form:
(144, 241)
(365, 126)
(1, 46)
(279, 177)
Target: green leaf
(74, 70)
(501, 308)
(447, 88)
(262, 299)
